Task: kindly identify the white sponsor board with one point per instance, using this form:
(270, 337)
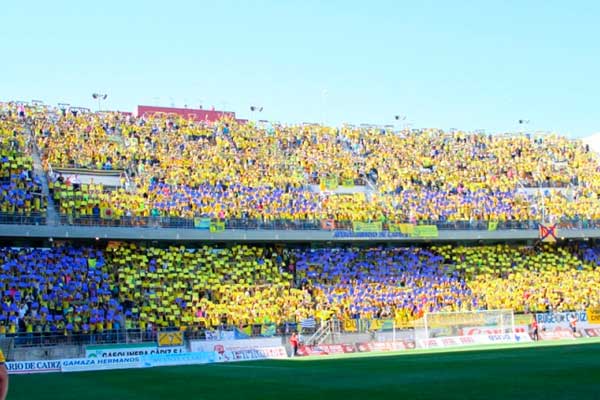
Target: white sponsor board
(263, 353)
(452, 341)
(562, 319)
(220, 335)
(229, 345)
(163, 360)
(130, 350)
(558, 333)
(482, 330)
(33, 367)
(94, 364)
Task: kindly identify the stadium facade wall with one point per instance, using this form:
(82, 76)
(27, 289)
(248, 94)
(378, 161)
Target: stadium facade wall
(48, 352)
(169, 234)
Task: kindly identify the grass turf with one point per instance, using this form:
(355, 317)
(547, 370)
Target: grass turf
(532, 371)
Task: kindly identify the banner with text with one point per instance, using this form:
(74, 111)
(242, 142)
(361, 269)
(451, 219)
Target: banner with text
(562, 319)
(452, 341)
(96, 364)
(406, 229)
(262, 353)
(230, 345)
(593, 315)
(193, 358)
(367, 226)
(33, 367)
(425, 231)
(202, 223)
(128, 350)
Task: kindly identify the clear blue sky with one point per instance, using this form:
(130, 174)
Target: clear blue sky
(448, 64)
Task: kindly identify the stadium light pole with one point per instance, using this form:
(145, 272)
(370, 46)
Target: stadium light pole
(523, 122)
(99, 97)
(63, 107)
(400, 119)
(255, 109)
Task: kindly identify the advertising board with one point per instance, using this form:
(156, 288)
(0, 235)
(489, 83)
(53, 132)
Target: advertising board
(482, 330)
(384, 346)
(263, 353)
(33, 367)
(558, 333)
(129, 350)
(471, 340)
(561, 319)
(325, 349)
(229, 345)
(163, 360)
(95, 364)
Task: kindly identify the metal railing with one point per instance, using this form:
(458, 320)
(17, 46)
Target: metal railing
(34, 218)
(136, 335)
(156, 222)
(314, 225)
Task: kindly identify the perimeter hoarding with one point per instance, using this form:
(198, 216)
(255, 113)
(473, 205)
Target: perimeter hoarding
(128, 350)
(33, 367)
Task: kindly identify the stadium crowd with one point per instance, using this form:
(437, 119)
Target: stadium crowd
(231, 170)
(20, 191)
(70, 290)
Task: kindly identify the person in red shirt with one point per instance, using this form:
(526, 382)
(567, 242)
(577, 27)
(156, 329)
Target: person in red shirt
(573, 323)
(294, 341)
(534, 328)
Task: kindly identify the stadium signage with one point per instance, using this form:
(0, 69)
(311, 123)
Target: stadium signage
(170, 339)
(326, 349)
(478, 330)
(593, 315)
(361, 347)
(560, 318)
(452, 341)
(557, 334)
(384, 346)
(231, 345)
(592, 332)
(130, 351)
(263, 353)
(161, 360)
(93, 364)
(369, 235)
(33, 367)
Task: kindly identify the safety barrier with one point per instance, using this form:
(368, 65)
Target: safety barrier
(314, 225)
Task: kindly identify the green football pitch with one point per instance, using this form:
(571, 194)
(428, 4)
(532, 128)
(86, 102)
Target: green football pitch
(531, 371)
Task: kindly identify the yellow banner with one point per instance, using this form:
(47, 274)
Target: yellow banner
(217, 226)
(329, 183)
(593, 315)
(350, 325)
(367, 226)
(449, 320)
(170, 338)
(406, 229)
(348, 183)
(524, 319)
(425, 231)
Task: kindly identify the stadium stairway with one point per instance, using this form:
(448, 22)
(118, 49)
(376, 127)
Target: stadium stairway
(52, 217)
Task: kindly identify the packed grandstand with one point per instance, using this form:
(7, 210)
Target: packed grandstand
(174, 172)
